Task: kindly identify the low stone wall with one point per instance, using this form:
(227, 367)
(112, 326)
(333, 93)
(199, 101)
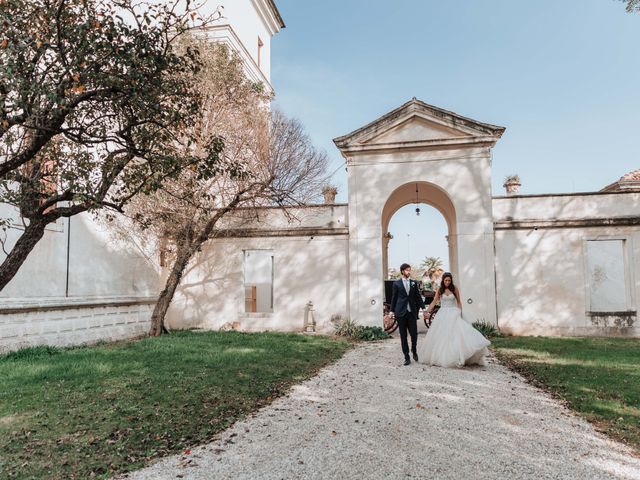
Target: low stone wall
(73, 322)
(515, 329)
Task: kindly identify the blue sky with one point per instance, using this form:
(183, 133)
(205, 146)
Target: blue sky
(563, 76)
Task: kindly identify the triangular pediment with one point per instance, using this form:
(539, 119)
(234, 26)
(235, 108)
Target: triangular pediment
(415, 129)
(416, 124)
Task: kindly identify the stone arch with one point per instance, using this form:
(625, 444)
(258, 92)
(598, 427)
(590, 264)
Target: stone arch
(427, 193)
(449, 156)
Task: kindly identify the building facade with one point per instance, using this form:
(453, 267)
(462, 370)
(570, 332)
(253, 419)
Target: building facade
(562, 264)
(80, 283)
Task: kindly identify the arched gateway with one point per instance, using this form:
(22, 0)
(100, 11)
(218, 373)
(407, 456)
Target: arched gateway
(447, 159)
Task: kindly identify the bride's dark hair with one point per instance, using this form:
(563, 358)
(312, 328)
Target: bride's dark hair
(452, 287)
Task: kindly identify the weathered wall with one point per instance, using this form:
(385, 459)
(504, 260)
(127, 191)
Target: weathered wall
(98, 265)
(450, 157)
(545, 285)
(310, 264)
(464, 176)
(77, 283)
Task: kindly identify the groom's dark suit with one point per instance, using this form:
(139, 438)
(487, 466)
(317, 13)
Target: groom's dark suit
(405, 307)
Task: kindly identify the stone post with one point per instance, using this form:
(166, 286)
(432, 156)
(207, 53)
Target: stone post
(309, 319)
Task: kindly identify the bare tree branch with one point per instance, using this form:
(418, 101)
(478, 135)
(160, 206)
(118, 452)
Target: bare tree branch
(267, 160)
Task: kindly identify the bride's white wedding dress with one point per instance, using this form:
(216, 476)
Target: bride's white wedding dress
(451, 341)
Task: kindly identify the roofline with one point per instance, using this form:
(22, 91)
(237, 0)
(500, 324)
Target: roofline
(247, 60)
(276, 13)
(493, 129)
(572, 194)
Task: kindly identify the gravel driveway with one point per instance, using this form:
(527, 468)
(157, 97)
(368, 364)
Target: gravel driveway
(369, 417)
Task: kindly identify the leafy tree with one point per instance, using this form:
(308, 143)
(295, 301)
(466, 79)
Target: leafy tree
(393, 274)
(268, 160)
(91, 93)
(430, 263)
(632, 5)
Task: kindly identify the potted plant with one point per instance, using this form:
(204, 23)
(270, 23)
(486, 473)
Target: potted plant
(329, 192)
(512, 184)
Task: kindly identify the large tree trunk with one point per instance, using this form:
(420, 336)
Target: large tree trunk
(185, 251)
(21, 250)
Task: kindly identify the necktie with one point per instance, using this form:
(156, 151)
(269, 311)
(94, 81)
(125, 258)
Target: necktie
(406, 287)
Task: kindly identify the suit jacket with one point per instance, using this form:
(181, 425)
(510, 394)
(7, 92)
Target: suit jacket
(400, 299)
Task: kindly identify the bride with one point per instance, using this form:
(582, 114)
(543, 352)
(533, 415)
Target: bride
(451, 341)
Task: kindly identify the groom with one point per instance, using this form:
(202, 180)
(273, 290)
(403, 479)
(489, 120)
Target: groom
(406, 301)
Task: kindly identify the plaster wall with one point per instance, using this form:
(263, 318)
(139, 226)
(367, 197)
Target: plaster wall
(99, 265)
(463, 175)
(105, 292)
(305, 269)
(243, 23)
(588, 205)
(542, 270)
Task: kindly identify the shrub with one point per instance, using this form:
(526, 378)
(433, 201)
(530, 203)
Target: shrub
(486, 328)
(345, 327)
(371, 333)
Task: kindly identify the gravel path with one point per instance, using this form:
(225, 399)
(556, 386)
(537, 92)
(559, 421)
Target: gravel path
(369, 417)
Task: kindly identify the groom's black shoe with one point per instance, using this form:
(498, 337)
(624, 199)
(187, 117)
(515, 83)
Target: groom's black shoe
(407, 361)
(415, 356)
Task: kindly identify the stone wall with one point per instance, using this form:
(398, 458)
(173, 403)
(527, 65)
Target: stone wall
(64, 323)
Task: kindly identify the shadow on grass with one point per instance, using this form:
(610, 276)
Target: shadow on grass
(597, 377)
(71, 413)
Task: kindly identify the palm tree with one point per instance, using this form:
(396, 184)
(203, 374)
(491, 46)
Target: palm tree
(632, 5)
(431, 263)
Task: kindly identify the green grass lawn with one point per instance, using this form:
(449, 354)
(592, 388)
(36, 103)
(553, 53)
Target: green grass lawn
(74, 413)
(598, 377)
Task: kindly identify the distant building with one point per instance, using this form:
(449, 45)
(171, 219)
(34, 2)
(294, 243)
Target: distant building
(629, 182)
(247, 27)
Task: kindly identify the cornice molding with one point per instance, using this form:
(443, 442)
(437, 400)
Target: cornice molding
(269, 14)
(455, 142)
(572, 194)
(542, 224)
(355, 141)
(281, 232)
(234, 42)
(20, 306)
